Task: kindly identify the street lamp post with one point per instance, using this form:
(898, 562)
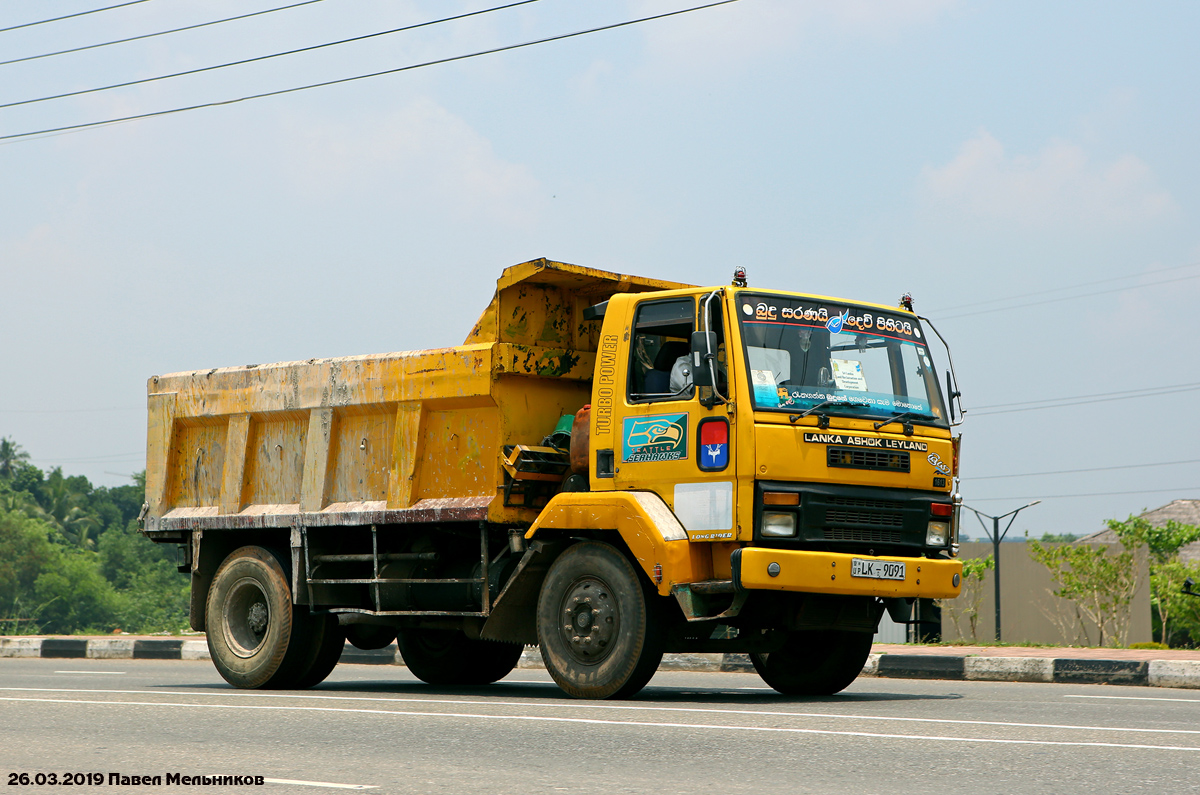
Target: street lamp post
(996, 537)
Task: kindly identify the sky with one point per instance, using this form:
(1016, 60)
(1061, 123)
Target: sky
(1027, 171)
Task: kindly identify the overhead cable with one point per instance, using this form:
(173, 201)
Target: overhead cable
(70, 411)
(71, 16)
(1067, 297)
(323, 84)
(1060, 289)
(1091, 469)
(1183, 489)
(159, 33)
(257, 58)
(1094, 394)
(1073, 403)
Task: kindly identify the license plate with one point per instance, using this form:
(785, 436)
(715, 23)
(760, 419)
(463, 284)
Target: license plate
(876, 569)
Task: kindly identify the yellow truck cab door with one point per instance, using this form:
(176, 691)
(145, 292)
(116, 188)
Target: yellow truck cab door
(666, 441)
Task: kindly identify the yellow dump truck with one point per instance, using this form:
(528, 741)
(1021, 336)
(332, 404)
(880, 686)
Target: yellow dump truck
(609, 467)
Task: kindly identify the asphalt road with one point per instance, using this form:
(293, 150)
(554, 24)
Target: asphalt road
(375, 726)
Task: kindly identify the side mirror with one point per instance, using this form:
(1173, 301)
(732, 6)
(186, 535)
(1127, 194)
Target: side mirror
(704, 352)
(951, 395)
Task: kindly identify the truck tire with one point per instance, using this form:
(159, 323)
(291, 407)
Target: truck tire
(326, 641)
(370, 637)
(256, 636)
(597, 623)
(815, 663)
(448, 657)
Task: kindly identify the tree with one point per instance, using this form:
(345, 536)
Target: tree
(1166, 578)
(970, 599)
(1099, 583)
(11, 457)
(1057, 538)
(25, 552)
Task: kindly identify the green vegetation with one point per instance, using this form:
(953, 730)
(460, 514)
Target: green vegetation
(1149, 645)
(1176, 615)
(969, 601)
(72, 559)
(1057, 538)
(1099, 584)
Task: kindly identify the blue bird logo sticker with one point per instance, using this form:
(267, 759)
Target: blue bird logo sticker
(835, 323)
(662, 438)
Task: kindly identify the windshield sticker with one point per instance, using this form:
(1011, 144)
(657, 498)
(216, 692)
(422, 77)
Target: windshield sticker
(660, 438)
(834, 320)
(766, 393)
(848, 375)
(867, 441)
(871, 401)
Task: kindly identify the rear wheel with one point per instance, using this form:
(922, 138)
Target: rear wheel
(597, 624)
(256, 637)
(448, 657)
(326, 640)
(370, 637)
(815, 663)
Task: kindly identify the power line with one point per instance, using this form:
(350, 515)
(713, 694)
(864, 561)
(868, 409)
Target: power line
(1094, 394)
(1093, 494)
(1091, 469)
(1068, 287)
(1066, 298)
(159, 33)
(71, 16)
(69, 411)
(1072, 403)
(100, 459)
(136, 117)
(257, 58)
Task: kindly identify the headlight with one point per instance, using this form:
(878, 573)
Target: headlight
(938, 534)
(779, 525)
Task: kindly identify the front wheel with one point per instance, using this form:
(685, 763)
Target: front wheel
(597, 624)
(815, 663)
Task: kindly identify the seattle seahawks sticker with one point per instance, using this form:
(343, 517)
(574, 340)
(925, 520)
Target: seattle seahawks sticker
(660, 438)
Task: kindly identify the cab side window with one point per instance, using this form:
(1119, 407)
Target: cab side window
(658, 365)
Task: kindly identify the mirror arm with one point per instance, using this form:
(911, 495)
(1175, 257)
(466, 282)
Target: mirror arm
(710, 357)
(953, 394)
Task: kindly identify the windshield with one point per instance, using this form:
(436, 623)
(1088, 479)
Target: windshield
(857, 361)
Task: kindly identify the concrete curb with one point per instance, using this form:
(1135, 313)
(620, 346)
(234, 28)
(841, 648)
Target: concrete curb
(1153, 673)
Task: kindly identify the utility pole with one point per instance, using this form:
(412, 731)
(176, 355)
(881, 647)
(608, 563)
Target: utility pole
(996, 537)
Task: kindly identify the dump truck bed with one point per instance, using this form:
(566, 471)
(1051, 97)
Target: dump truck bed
(378, 439)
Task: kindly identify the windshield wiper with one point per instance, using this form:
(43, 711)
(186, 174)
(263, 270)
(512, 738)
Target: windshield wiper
(794, 418)
(906, 415)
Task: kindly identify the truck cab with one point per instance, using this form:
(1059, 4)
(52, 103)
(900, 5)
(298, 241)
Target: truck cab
(804, 445)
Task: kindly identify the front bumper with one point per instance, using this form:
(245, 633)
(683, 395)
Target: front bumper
(829, 572)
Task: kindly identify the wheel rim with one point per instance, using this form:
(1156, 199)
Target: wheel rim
(246, 617)
(589, 620)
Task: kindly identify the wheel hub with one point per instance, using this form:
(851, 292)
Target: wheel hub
(246, 617)
(256, 618)
(590, 620)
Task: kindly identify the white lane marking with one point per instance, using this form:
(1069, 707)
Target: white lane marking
(598, 722)
(581, 705)
(318, 784)
(1139, 698)
(110, 673)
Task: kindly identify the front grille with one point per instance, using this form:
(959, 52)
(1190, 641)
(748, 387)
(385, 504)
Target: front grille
(855, 458)
(863, 535)
(875, 505)
(864, 518)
